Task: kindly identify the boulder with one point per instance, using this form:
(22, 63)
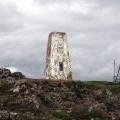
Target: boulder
(5, 73)
(18, 75)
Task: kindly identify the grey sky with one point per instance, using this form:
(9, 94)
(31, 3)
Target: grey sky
(92, 27)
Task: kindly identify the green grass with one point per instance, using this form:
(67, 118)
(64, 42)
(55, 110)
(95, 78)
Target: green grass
(85, 114)
(115, 89)
(61, 115)
(103, 96)
(5, 87)
(75, 85)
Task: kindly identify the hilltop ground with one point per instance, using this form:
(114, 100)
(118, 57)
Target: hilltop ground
(28, 99)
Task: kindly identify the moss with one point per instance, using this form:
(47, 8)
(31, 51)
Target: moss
(69, 76)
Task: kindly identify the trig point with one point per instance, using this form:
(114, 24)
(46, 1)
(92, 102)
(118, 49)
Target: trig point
(58, 65)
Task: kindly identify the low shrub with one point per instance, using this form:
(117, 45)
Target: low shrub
(102, 96)
(115, 88)
(5, 87)
(61, 115)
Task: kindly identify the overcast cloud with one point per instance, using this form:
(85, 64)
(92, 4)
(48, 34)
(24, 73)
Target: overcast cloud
(92, 27)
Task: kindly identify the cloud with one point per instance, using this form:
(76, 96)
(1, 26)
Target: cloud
(10, 18)
(13, 69)
(93, 29)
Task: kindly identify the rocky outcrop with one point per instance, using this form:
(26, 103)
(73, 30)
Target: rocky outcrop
(6, 74)
(18, 75)
(28, 99)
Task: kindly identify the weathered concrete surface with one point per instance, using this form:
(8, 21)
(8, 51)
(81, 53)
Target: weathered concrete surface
(57, 60)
